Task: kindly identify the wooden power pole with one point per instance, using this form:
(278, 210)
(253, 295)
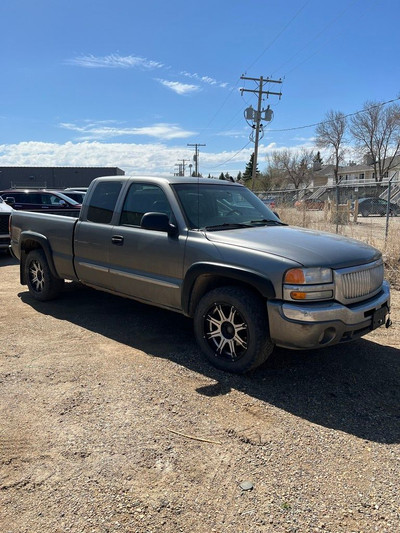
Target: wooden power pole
(257, 114)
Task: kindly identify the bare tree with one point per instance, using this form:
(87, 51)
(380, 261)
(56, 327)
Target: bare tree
(331, 136)
(376, 129)
(292, 167)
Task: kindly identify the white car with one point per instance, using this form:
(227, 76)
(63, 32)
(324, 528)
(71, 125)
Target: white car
(5, 212)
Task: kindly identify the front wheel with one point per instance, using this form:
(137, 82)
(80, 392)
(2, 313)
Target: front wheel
(41, 283)
(231, 327)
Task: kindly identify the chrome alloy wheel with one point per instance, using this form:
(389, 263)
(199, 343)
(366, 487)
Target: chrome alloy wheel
(226, 331)
(36, 276)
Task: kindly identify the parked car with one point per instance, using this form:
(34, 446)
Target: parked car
(81, 189)
(269, 201)
(375, 206)
(5, 212)
(78, 196)
(41, 200)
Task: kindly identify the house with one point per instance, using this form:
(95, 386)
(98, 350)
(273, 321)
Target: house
(355, 175)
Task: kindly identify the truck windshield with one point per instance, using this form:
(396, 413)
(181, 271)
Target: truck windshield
(216, 206)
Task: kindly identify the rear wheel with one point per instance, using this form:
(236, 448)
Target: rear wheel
(41, 283)
(231, 327)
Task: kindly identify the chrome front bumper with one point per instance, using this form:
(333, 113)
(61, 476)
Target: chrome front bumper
(307, 326)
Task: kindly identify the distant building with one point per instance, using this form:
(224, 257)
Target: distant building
(53, 177)
(357, 175)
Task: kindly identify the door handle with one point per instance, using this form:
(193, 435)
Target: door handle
(118, 240)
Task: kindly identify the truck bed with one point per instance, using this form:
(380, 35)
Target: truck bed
(55, 229)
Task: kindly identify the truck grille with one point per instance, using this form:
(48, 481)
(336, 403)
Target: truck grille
(358, 283)
(4, 223)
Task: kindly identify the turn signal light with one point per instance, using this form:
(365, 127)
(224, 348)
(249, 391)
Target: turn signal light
(295, 276)
(297, 295)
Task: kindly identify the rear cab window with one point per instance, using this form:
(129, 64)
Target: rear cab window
(103, 201)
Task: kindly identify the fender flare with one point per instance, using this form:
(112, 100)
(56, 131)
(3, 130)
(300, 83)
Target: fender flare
(227, 272)
(40, 242)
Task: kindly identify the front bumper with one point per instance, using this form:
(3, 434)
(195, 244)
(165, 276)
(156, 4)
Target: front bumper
(308, 326)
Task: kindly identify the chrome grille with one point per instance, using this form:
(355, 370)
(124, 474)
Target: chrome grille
(358, 283)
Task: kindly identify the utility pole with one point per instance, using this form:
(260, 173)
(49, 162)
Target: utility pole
(256, 115)
(182, 166)
(196, 157)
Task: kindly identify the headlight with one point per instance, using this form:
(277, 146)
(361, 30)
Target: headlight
(308, 284)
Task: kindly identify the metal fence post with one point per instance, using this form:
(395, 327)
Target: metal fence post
(388, 208)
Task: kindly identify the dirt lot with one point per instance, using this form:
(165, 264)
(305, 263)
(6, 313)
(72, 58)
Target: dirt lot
(110, 421)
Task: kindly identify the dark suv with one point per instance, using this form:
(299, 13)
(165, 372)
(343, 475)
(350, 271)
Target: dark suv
(41, 200)
(376, 206)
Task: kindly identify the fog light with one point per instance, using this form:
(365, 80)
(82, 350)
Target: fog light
(327, 336)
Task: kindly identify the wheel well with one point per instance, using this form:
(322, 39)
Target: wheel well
(27, 246)
(207, 283)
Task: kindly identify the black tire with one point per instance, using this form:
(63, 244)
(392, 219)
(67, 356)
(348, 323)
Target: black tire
(41, 283)
(231, 328)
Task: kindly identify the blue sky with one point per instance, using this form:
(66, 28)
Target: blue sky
(130, 84)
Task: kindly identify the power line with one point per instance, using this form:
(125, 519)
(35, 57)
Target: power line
(308, 126)
(321, 32)
(278, 35)
(345, 116)
(230, 159)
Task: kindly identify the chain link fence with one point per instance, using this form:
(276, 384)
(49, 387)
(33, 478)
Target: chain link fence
(367, 212)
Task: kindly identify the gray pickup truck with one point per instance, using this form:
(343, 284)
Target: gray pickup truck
(213, 251)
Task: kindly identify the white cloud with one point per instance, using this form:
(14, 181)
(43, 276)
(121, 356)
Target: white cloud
(103, 131)
(132, 158)
(128, 62)
(178, 87)
(135, 159)
(205, 79)
(114, 61)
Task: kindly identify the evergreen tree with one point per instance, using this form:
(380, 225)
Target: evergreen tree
(239, 176)
(248, 173)
(221, 176)
(318, 158)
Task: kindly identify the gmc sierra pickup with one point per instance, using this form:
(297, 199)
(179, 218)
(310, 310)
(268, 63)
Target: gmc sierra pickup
(213, 251)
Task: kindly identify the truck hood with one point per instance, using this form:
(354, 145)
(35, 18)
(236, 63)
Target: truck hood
(307, 247)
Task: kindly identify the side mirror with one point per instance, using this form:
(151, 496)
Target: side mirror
(10, 200)
(158, 222)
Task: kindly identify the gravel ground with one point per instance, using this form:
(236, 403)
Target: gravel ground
(111, 421)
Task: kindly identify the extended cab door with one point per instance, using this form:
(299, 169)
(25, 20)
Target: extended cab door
(93, 236)
(146, 264)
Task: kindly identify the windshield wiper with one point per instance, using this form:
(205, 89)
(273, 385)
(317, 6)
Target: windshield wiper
(266, 222)
(227, 225)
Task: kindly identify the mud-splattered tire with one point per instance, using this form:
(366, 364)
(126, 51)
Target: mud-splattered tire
(231, 328)
(41, 283)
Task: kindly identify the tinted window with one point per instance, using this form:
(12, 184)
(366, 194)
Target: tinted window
(143, 199)
(102, 203)
(29, 198)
